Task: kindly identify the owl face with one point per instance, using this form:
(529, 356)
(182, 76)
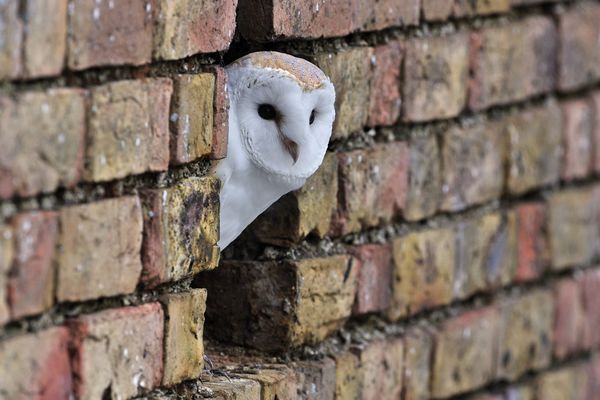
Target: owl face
(283, 111)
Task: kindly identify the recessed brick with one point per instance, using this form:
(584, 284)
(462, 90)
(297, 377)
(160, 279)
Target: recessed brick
(472, 165)
(463, 359)
(128, 129)
(565, 383)
(36, 366)
(374, 278)
(180, 230)
(532, 243)
(31, 278)
(42, 141)
(424, 178)
(118, 353)
(569, 318)
(589, 283)
(577, 160)
(418, 348)
(525, 334)
(512, 62)
(372, 186)
(110, 33)
(385, 100)
(184, 327)
(316, 379)
(423, 271)
(12, 39)
(6, 260)
(99, 249)
(578, 51)
(534, 148)
(435, 77)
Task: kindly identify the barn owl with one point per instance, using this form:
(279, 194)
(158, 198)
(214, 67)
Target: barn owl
(280, 119)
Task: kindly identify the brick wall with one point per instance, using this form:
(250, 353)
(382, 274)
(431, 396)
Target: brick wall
(448, 247)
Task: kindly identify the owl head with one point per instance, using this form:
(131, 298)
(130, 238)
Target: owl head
(281, 112)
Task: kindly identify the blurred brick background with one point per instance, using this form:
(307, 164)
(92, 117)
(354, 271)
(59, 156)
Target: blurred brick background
(448, 247)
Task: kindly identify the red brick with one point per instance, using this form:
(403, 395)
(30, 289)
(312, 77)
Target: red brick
(463, 359)
(128, 129)
(374, 279)
(99, 249)
(595, 104)
(590, 287)
(424, 178)
(512, 62)
(110, 33)
(533, 252)
(577, 139)
(187, 27)
(42, 141)
(372, 186)
(385, 103)
(6, 260)
(11, 38)
(118, 353)
(418, 348)
(36, 366)
(31, 279)
(435, 77)
(578, 52)
(221, 115)
(569, 318)
(316, 379)
(382, 14)
(380, 369)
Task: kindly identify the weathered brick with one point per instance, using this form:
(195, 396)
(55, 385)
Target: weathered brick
(532, 243)
(385, 100)
(590, 287)
(184, 327)
(309, 299)
(192, 117)
(568, 318)
(180, 230)
(347, 383)
(350, 72)
(472, 165)
(436, 10)
(577, 139)
(593, 389)
(518, 3)
(232, 388)
(31, 278)
(486, 253)
(534, 148)
(565, 383)
(512, 62)
(444, 9)
(374, 278)
(595, 104)
(380, 369)
(383, 14)
(6, 260)
(418, 347)
(128, 129)
(42, 141)
(424, 178)
(118, 352)
(277, 382)
(187, 27)
(11, 38)
(110, 33)
(423, 271)
(525, 341)
(36, 366)
(220, 115)
(305, 212)
(372, 186)
(45, 38)
(521, 392)
(464, 358)
(435, 77)
(99, 249)
(578, 51)
(572, 227)
(316, 379)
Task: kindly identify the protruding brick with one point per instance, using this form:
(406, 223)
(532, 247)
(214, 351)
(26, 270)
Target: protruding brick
(565, 383)
(6, 260)
(472, 165)
(99, 249)
(42, 141)
(385, 100)
(534, 149)
(128, 129)
(110, 32)
(372, 186)
(512, 62)
(187, 27)
(374, 279)
(464, 357)
(118, 353)
(435, 77)
(45, 38)
(525, 341)
(424, 178)
(305, 212)
(569, 318)
(418, 348)
(184, 327)
(316, 379)
(590, 287)
(36, 366)
(308, 300)
(423, 271)
(31, 279)
(577, 160)
(11, 38)
(350, 72)
(578, 51)
(181, 230)
(532, 243)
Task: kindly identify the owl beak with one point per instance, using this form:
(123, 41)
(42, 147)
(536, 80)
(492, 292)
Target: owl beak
(289, 145)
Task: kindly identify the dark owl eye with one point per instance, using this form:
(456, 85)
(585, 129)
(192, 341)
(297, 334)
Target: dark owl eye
(267, 111)
(312, 117)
